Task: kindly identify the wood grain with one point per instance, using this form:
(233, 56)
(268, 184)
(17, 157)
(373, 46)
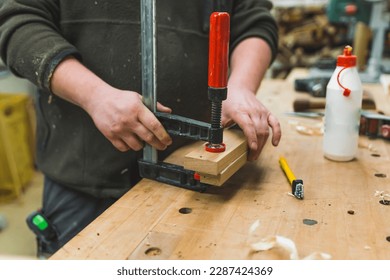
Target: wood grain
(158, 221)
(214, 163)
(224, 175)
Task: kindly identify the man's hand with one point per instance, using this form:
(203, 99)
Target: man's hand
(120, 115)
(243, 108)
(249, 62)
(127, 122)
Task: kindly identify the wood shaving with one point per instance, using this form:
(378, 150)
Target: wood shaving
(278, 241)
(308, 129)
(318, 256)
(382, 194)
(253, 227)
(290, 194)
(367, 145)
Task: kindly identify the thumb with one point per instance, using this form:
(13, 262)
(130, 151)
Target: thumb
(163, 108)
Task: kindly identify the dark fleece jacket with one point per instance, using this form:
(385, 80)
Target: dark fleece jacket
(35, 36)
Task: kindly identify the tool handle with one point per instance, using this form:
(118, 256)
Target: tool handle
(283, 164)
(218, 49)
(301, 105)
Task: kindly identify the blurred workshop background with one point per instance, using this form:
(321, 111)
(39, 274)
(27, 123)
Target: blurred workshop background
(312, 34)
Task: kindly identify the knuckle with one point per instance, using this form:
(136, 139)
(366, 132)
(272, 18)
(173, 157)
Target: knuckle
(117, 127)
(135, 145)
(264, 132)
(149, 137)
(120, 146)
(155, 125)
(137, 148)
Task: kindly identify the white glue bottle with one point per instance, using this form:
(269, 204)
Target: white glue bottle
(344, 95)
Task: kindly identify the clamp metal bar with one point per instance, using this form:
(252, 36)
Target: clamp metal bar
(149, 60)
(149, 166)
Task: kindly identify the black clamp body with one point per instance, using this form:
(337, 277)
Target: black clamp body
(172, 174)
(184, 127)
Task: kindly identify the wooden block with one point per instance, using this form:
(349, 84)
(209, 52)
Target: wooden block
(214, 163)
(218, 180)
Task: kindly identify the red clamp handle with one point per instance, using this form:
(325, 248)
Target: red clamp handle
(219, 49)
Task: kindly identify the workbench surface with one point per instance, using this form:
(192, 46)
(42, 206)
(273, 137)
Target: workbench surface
(340, 214)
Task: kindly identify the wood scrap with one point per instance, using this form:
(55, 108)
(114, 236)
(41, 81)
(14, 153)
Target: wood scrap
(224, 175)
(306, 36)
(205, 162)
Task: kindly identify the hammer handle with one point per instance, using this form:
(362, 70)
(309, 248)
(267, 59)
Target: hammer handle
(301, 105)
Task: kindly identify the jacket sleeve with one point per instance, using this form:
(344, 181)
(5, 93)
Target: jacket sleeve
(30, 41)
(252, 18)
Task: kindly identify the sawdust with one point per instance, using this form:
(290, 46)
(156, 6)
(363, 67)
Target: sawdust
(383, 195)
(308, 128)
(277, 241)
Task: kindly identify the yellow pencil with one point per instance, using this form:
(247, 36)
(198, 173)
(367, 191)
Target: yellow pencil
(296, 184)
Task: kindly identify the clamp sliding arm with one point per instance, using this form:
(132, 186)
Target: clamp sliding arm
(176, 125)
(184, 127)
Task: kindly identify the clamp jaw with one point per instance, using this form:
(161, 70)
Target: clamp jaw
(172, 174)
(168, 173)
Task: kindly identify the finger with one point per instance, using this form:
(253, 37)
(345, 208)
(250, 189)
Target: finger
(159, 107)
(148, 120)
(247, 125)
(147, 136)
(276, 129)
(225, 122)
(262, 133)
(133, 142)
(162, 108)
(120, 145)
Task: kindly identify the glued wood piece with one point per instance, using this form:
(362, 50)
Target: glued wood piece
(205, 162)
(218, 180)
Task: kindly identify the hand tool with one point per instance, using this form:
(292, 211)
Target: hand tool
(168, 173)
(296, 184)
(374, 125)
(217, 76)
(302, 104)
(313, 115)
(316, 86)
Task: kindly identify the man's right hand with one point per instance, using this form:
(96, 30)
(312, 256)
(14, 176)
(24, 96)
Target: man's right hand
(127, 122)
(120, 115)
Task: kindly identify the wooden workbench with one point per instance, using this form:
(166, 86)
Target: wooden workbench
(158, 221)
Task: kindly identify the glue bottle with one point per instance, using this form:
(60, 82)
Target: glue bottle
(344, 95)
